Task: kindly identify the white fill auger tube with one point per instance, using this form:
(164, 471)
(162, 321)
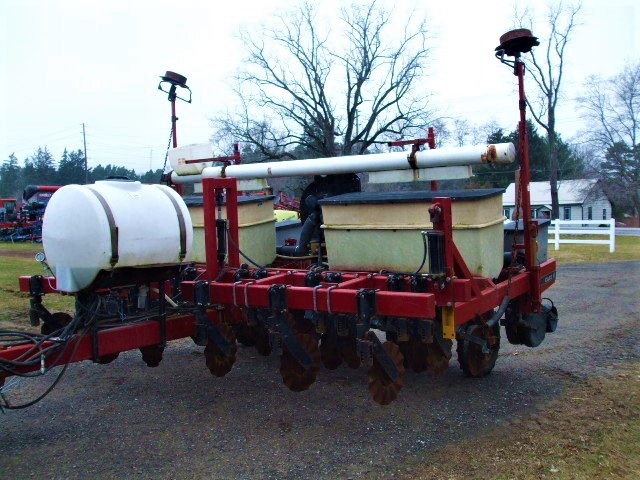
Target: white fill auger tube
(441, 157)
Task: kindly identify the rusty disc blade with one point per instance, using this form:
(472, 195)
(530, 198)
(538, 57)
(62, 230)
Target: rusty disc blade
(294, 376)
(218, 363)
(329, 351)
(416, 354)
(260, 335)
(349, 351)
(473, 361)
(437, 359)
(382, 388)
(152, 354)
(299, 323)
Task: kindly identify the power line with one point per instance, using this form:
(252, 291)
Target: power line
(86, 170)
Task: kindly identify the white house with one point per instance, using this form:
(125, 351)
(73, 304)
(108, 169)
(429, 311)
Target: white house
(581, 199)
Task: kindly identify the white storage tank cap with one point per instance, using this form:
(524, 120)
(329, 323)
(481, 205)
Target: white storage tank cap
(113, 224)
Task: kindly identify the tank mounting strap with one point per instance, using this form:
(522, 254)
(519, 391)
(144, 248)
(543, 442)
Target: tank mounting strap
(181, 224)
(113, 228)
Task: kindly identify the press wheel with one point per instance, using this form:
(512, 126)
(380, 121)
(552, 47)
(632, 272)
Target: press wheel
(473, 361)
(152, 354)
(349, 351)
(383, 389)
(294, 376)
(260, 335)
(416, 355)
(330, 351)
(218, 362)
(245, 335)
(438, 357)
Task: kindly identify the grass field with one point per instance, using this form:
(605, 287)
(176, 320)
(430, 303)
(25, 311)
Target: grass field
(17, 260)
(592, 432)
(627, 248)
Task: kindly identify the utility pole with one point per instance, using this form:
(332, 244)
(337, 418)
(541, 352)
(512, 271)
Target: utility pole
(84, 140)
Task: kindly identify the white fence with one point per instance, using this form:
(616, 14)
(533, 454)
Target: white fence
(577, 227)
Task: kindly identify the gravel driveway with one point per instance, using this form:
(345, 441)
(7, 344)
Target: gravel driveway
(125, 420)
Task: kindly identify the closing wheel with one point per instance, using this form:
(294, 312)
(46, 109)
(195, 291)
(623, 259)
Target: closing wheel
(349, 351)
(261, 340)
(383, 389)
(294, 375)
(416, 354)
(235, 316)
(244, 335)
(219, 362)
(152, 354)
(330, 351)
(473, 361)
(438, 356)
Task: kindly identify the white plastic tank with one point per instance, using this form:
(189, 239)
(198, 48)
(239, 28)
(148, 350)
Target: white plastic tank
(113, 224)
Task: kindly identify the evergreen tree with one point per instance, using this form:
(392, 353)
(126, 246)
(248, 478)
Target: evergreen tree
(10, 177)
(102, 173)
(570, 165)
(151, 176)
(71, 168)
(44, 167)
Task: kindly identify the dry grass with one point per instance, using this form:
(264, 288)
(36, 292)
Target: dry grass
(627, 248)
(17, 260)
(593, 432)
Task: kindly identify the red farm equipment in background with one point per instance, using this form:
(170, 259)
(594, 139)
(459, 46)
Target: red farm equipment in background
(23, 222)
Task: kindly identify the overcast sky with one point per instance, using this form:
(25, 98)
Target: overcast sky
(65, 62)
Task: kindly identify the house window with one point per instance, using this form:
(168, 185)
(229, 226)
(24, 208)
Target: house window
(567, 213)
(604, 213)
(590, 213)
(507, 213)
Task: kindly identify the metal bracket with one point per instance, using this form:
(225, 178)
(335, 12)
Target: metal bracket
(201, 326)
(35, 285)
(219, 340)
(473, 339)
(278, 298)
(424, 330)
(448, 323)
(162, 312)
(278, 306)
(366, 304)
(366, 301)
(201, 293)
(380, 354)
(333, 277)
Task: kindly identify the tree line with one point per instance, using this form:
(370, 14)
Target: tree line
(41, 168)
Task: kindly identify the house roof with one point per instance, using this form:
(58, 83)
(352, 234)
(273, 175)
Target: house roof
(569, 192)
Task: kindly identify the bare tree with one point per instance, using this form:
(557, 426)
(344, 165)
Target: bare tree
(614, 106)
(306, 92)
(547, 72)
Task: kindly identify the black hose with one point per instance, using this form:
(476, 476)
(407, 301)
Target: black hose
(248, 258)
(424, 254)
(301, 249)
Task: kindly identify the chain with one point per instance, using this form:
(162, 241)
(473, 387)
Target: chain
(166, 155)
(518, 206)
